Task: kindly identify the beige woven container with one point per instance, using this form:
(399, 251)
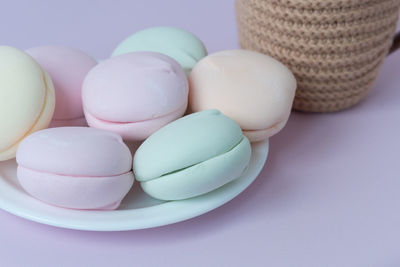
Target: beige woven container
(334, 47)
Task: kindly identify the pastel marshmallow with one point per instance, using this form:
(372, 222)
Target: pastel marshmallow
(192, 156)
(75, 167)
(135, 94)
(179, 44)
(26, 99)
(67, 68)
(254, 89)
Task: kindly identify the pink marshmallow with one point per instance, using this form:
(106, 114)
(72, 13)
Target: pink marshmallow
(75, 167)
(135, 94)
(67, 68)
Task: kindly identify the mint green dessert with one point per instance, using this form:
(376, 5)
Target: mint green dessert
(192, 156)
(179, 44)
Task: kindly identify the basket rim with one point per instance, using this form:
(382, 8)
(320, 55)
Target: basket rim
(319, 4)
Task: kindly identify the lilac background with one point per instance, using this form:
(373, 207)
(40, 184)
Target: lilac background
(328, 196)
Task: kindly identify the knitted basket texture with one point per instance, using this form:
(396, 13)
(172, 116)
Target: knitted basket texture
(335, 48)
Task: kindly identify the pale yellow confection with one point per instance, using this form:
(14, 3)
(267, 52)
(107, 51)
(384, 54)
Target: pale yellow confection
(253, 89)
(27, 99)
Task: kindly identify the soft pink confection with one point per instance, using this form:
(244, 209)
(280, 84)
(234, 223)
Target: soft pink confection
(75, 167)
(135, 94)
(67, 68)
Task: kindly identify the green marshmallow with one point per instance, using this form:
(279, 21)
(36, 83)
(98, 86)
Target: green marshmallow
(178, 44)
(192, 156)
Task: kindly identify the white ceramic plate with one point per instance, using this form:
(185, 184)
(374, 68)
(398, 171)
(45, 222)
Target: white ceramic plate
(137, 210)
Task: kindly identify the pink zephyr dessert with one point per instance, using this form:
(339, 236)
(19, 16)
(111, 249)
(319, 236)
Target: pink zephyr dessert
(67, 68)
(135, 94)
(75, 167)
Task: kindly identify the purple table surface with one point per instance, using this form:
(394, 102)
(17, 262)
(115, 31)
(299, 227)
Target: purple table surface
(328, 195)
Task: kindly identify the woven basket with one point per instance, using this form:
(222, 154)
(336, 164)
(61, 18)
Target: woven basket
(334, 47)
